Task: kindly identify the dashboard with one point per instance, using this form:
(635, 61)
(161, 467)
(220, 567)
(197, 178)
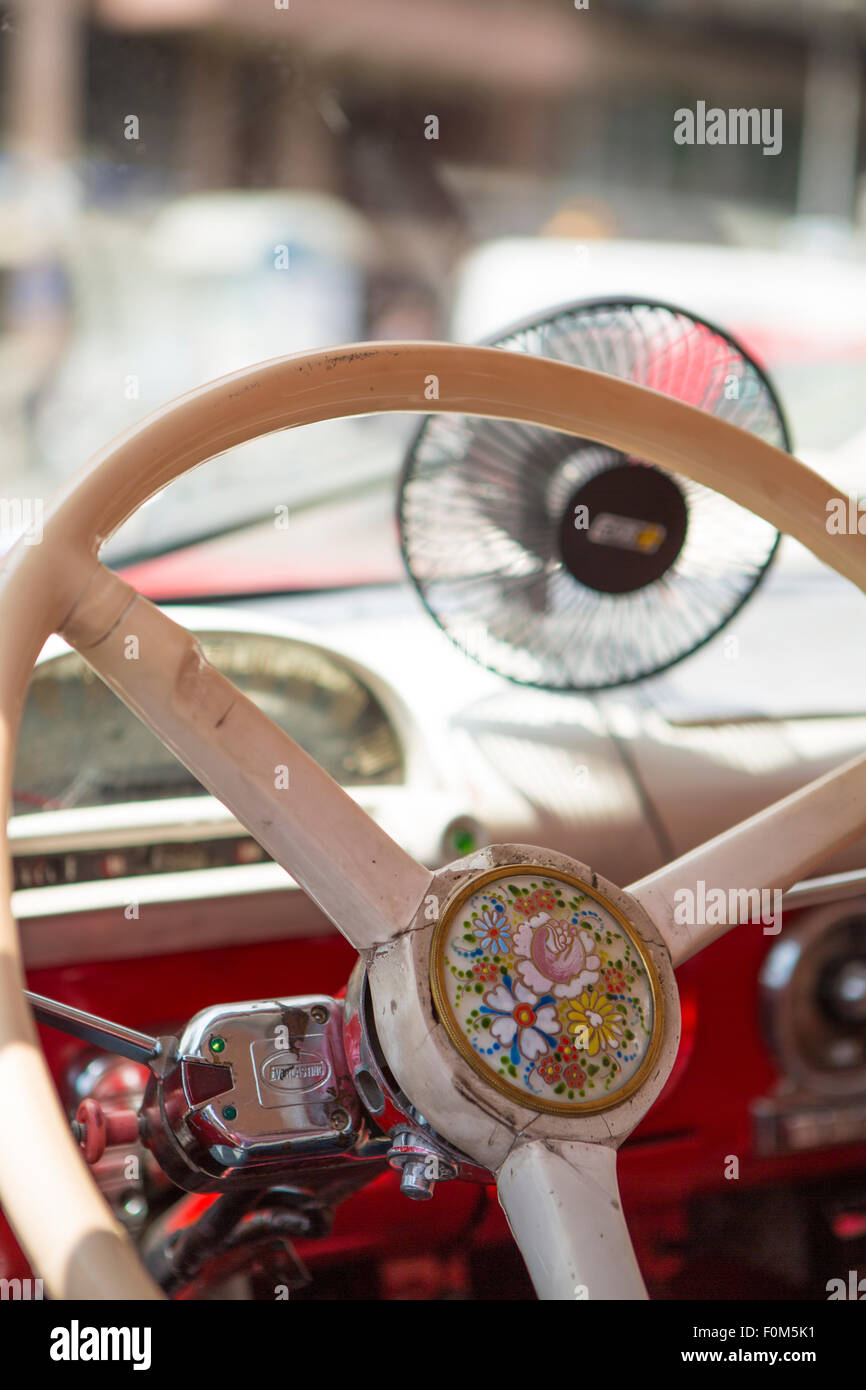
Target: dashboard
(140, 897)
(446, 755)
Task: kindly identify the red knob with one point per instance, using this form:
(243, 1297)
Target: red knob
(100, 1130)
(91, 1119)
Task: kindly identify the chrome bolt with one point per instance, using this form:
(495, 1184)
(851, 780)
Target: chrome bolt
(414, 1181)
(421, 1166)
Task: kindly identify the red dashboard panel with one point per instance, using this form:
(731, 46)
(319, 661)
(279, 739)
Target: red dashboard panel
(683, 1148)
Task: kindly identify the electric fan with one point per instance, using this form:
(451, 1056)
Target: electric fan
(562, 563)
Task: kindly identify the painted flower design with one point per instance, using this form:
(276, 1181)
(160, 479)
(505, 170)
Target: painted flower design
(518, 1021)
(548, 991)
(614, 980)
(594, 1022)
(492, 930)
(574, 1075)
(542, 900)
(555, 955)
(590, 919)
(549, 1070)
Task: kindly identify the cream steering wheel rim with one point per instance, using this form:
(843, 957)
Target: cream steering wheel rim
(60, 1218)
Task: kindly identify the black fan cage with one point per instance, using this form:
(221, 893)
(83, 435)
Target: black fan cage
(482, 504)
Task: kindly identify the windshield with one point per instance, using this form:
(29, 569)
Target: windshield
(189, 186)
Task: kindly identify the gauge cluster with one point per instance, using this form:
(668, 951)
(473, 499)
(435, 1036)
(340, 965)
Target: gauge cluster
(80, 746)
(98, 797)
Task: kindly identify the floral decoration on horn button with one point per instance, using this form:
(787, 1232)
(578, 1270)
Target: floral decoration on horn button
(546, 990)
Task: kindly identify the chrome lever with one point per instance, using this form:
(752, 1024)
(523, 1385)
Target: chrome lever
(102, 1032)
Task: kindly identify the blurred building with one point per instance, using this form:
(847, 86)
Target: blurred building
(158, 157)
(333, 95)
(435, 126)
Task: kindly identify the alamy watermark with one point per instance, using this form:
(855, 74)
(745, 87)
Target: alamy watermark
(719, 907)
(854, 1289)
(22, 516)
(21, 1289)
(739, 125)
(77, 1343)
(846, 516)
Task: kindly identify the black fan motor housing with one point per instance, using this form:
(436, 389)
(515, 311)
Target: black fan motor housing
(623, 529)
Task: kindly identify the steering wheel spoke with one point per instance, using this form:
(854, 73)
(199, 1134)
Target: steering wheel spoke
(368, 886)
(563, 1206)
(740, 876)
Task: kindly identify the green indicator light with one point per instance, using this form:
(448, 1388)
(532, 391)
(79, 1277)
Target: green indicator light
(229, 1112)
(217, 1044)
(464, 841)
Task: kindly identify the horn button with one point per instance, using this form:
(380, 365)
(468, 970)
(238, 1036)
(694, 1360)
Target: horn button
(546, 990)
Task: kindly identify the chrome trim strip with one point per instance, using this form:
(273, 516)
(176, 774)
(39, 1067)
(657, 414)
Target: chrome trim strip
(122, 825)
(416, 816)
(814, 892)
(240, 880)
(191, 885)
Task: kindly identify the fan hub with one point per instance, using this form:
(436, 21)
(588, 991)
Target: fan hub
(623, 528)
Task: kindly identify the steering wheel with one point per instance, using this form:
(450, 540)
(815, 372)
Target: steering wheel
(478, 1057)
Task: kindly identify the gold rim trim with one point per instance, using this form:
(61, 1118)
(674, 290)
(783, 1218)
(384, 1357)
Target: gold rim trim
(458, 1038)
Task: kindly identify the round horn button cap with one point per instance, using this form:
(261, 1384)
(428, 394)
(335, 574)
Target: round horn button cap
(546, 990)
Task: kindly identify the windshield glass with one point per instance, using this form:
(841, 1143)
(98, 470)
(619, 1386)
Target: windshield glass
(189, 186)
